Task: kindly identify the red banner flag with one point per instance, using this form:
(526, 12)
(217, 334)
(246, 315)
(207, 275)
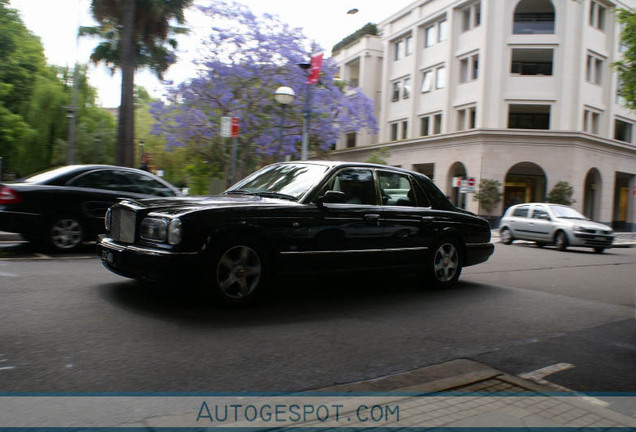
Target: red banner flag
(314, 69)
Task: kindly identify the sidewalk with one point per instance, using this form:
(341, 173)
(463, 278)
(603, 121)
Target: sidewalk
(457, 394)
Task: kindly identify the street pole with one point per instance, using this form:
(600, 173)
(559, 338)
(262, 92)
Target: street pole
(72, 115)
(307, 114)
(234, 156)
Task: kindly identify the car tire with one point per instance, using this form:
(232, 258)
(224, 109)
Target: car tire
(506, 236)
(239, 270)
(65, 234)
(540, 244)
(561, 241)
(445, 263)
(599, 250)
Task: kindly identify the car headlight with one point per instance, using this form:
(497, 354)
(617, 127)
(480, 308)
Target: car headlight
(154, 229)
(175, 232)
(579, 228)
(107, 219)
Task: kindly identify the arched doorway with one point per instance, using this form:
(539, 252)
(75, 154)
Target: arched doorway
(525, 182)
(456, 170)
(592, 194)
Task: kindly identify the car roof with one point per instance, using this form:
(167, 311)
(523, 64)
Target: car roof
(335, 164)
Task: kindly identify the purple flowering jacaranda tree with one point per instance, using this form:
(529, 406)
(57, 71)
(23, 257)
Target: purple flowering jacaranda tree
(248, 58)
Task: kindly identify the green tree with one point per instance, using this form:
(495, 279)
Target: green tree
(135, 33)
(378, 156)
(561, 193)
(489, 194)
(626, 67)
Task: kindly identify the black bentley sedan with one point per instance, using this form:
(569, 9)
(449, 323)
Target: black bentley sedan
(60, 208)
(296, 217)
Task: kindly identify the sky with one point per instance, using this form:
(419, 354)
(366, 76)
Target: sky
(56, 23)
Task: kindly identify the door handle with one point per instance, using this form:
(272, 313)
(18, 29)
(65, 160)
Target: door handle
(371, 216)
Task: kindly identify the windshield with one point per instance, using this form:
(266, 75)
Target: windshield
(290, 181)
(46, 176)
(566, 212)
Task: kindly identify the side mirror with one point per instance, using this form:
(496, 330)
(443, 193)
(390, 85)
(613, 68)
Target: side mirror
(331, 196)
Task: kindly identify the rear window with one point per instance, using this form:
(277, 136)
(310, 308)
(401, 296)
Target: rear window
(521, 211)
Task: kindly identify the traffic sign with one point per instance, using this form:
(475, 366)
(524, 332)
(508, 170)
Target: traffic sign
(226, 127)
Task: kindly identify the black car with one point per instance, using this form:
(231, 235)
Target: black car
(61, 208)
(296, 217)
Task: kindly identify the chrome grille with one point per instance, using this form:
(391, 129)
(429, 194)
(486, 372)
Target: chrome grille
(122, 225)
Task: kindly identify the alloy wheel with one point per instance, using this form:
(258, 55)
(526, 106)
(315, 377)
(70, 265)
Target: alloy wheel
(66, 234)
(446, 262)
(239, 272)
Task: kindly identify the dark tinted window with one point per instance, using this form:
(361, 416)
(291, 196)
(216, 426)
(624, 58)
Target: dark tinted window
(129, 181)
(521, 211)
(101, 179)
(356, 183)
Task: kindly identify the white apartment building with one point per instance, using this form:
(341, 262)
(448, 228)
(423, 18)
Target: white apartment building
(519, 91)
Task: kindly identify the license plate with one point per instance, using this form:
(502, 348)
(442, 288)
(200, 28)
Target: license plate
(108, 256)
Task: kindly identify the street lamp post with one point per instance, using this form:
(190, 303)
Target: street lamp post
(284, 96)
(306, 114)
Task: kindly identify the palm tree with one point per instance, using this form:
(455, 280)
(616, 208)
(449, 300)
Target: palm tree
(134, 33)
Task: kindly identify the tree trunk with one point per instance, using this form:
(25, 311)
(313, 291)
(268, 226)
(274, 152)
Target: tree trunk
(126, 128)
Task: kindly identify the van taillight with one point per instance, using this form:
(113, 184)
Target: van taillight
(9, 196)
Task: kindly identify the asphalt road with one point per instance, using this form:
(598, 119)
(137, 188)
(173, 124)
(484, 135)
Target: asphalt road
(69, 325)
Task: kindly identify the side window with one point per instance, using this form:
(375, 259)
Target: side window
(357, 184)
(521, 212)
(96, 180)
(139, 183)
(397, 189)
(540, 213)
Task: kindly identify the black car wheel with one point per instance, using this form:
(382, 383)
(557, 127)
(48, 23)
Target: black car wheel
(239, 271)
(599, 250)
(506, 236)
(445, 263)
(65, 234)
(561, 241)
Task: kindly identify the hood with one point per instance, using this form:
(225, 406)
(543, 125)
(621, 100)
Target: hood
(181, 205)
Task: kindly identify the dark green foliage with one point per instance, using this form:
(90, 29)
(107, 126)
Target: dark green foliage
(489, 194)
(368, 29)
(561, 193)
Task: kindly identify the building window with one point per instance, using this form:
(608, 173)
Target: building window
(406, 89)
(403, 47)
(534, 17)
(436, 32)
(597, 15)
(397, 50)
(526, 61)
(401, 89)
(396, 91)
(351, 139)
(469, 68)
(437, 124)
(620, 99)
(408, 45)
(442, 31)
(528, 116)
(405, 129)
(394, 131)
(427, 81)
(430, 36)
(466, 118)
(623, 131)
(591, 121)
(594, 69)
(425, 126)
(470, 16)
(440, 77)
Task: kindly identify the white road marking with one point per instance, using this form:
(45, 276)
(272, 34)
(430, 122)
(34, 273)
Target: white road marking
(7, 368)
(8, 274)
(538, 376)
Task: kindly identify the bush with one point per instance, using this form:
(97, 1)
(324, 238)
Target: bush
(561, 193)
(488, 194)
